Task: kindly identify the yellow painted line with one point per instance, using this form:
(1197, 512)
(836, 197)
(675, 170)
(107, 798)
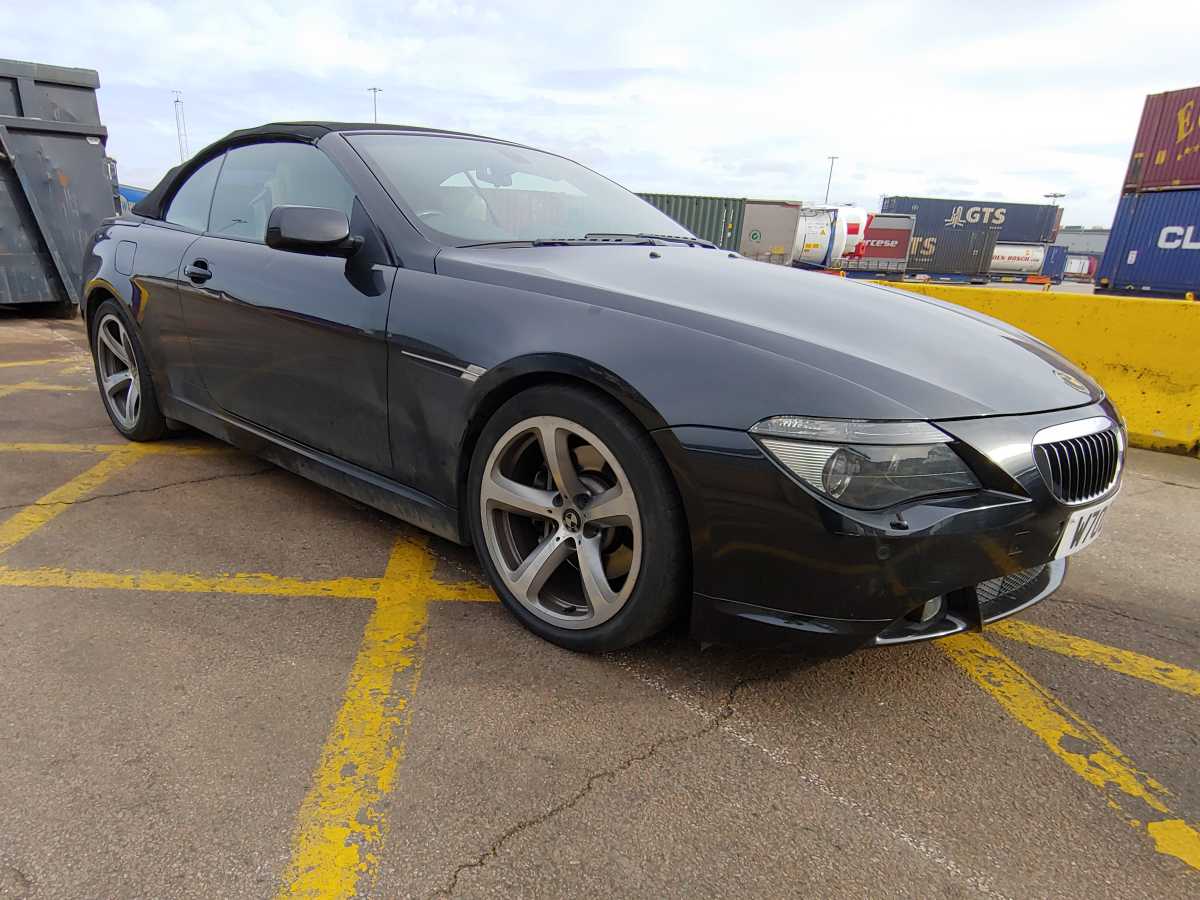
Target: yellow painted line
(1147, 668)
(342, 825)
(21, 363)
(36, 447)
(252, 584)
(245, 583)
(7, 389)
(1140, 800)
(26, 521)
(162, 447)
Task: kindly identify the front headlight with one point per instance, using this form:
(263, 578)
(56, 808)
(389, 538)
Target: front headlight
(863, 464)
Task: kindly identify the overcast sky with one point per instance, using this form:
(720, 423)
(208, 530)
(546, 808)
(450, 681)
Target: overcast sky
(987, 100)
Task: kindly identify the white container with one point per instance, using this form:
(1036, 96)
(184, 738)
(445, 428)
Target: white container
(1018, 259)
(793, 233)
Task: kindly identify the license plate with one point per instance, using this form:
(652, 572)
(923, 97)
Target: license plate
(1082, 528)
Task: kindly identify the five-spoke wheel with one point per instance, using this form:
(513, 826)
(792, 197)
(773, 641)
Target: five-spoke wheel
(561, 521)
(118, 371)
(121, 372)
(577, 520)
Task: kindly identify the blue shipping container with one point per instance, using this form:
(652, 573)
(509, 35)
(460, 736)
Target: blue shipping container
(1017, 223)
(1055, 263)
(1154, 248)
(131, 193)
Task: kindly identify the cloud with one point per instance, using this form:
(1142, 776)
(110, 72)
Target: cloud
(703, 97)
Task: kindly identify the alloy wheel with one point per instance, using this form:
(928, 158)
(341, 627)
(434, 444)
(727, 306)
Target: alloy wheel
(561, 522)
(117, 364)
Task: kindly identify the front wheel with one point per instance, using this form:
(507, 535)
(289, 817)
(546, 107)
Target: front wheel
(577, 521)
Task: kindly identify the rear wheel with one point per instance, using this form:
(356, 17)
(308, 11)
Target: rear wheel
(577, 521)
(124, 377)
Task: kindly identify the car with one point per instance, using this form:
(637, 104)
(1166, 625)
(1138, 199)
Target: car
(632, 426)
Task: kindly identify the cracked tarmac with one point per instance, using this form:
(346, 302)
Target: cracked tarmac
(160, 744)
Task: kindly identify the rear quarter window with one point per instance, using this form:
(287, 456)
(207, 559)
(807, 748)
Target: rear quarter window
(189, 207)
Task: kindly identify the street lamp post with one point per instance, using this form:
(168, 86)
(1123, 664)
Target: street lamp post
(829, 182)
(1054, 197)
(375, 92)
(180, 126)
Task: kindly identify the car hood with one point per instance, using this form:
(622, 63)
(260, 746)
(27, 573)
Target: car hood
(935, 360)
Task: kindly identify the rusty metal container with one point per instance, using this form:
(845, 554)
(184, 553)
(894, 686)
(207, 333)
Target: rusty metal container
(56, 184)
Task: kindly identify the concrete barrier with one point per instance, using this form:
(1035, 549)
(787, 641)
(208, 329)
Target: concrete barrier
(1144, 352)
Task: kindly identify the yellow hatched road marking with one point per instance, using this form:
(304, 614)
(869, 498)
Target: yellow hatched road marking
(26, 521)
(1147, 668)
(1140, 800)
(21, 363)
(342, 825)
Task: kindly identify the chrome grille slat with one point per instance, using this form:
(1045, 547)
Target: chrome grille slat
(1082, 468)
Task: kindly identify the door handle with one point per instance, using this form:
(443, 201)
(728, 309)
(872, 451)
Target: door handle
(198, 271)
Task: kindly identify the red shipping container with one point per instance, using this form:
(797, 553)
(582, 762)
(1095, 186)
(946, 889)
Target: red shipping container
(1166, 153)
(886, 243)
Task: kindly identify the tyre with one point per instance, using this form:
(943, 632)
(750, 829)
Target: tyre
(124, 376)
(577, 521)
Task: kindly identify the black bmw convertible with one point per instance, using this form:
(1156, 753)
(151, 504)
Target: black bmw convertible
(631, 425)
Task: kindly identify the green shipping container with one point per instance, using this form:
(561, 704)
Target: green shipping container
(716, 219)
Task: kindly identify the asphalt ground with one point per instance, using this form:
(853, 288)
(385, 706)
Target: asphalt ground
(219, 680)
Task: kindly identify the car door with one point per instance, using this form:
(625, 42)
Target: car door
(290, 341)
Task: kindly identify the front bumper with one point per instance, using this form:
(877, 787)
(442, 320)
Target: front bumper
(774, 563)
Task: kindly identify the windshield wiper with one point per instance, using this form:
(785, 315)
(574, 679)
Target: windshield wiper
(651, 238)
(588, 240)
(599, 239)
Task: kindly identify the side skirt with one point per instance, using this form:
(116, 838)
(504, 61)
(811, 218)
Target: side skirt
(365, 486)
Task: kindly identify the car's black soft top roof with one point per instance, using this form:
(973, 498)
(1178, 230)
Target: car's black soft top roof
(151, 206)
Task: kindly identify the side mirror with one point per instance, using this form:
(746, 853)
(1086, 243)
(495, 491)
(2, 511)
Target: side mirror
(311, 229)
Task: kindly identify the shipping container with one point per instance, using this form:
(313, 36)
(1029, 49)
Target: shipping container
(792, 233)
(1028, 263)
(1166, 151)
(769, 229)
(965, 255)
(1082, 241)
(1081, 267)
(716, 219)
(1154, 248)
(1014, 223)
(884, 247)
(56, 185)
(827, 235)
(1055, 264)
(1017, 259)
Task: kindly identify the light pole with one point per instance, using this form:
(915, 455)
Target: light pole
(375, 92)
(1054, 197)
(180, 125)
(832, 160)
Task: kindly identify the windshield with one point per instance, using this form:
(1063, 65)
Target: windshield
(475, 191)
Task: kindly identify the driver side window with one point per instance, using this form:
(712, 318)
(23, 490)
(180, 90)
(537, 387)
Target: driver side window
(257, 178)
